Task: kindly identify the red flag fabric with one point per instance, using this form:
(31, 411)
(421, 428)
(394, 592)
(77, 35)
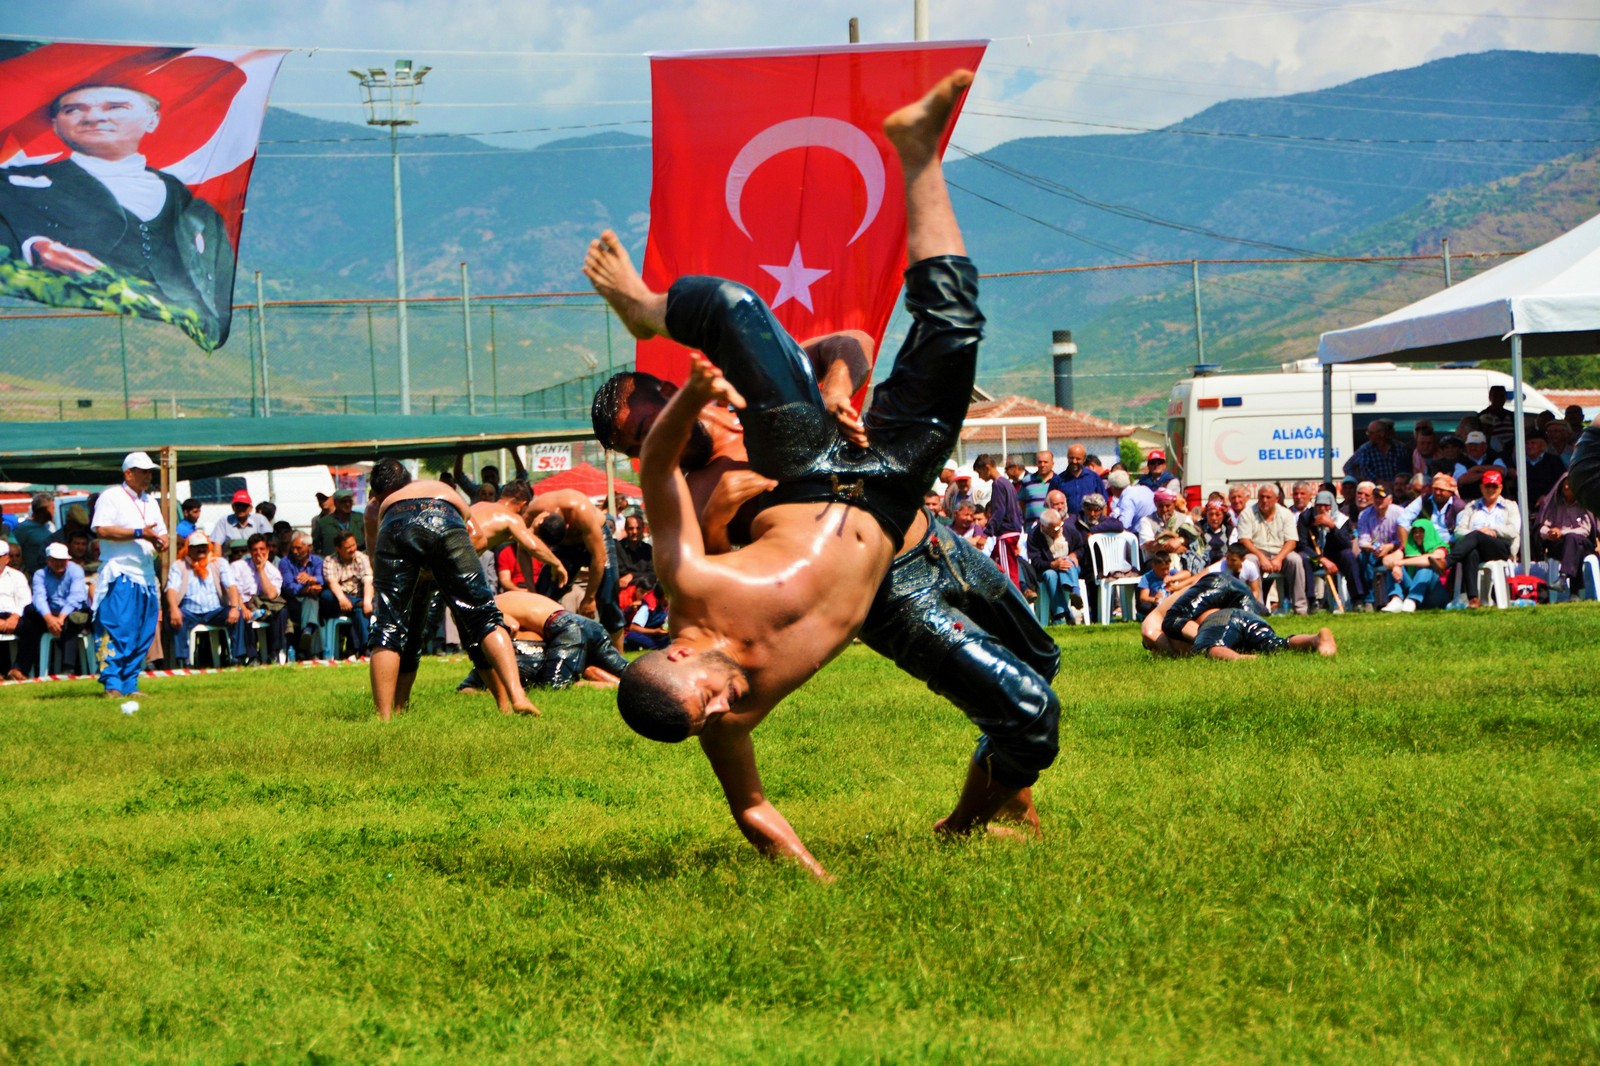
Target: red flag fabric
(144, 222)
(771, 168)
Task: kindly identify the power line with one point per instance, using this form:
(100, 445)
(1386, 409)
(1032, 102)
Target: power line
(1295, 137)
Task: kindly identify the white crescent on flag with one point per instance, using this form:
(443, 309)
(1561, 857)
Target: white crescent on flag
(814, 130)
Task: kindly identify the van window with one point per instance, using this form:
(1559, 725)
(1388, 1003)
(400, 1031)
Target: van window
(215, 489)
(1175, 442)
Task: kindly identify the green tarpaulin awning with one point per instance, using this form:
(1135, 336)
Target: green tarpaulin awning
(90, 452)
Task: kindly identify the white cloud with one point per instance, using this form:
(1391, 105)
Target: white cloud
(1134, 62)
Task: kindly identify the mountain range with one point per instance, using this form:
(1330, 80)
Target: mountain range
(1497, 151)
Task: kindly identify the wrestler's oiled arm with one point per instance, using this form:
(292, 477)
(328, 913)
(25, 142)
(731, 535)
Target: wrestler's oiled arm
(370, 520)
(678, 540)
(733, 758)
(538, 549)
(594, 538)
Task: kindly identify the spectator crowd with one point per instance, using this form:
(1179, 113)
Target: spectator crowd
(1407, 528)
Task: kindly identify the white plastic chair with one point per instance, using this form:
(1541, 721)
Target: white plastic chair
(1112, 552)
(1591, 578)
(1492, 587)
(214, 635)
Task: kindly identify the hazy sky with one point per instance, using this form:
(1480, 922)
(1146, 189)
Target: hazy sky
(1054, 68)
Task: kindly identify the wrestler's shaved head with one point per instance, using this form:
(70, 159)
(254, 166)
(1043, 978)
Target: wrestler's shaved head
(666, 698)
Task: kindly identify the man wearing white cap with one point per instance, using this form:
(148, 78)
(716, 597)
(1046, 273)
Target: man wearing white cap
(201, 591)
(127, 602)
(60, 597)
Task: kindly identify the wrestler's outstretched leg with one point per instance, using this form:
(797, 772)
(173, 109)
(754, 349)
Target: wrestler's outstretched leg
(1321, 642)
(610, 270)
(504, 680)
(914, 130)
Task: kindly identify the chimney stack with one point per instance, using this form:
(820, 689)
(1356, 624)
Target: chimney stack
(1061, 352)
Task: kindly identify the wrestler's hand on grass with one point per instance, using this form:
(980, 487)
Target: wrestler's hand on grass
(707, 384)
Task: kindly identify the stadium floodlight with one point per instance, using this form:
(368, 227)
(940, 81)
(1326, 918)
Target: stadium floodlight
(390, 99)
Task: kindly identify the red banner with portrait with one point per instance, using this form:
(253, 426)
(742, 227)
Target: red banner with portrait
(771, 168)
(123, 172)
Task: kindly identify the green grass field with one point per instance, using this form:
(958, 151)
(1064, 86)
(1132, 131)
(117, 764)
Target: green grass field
(1389, 857)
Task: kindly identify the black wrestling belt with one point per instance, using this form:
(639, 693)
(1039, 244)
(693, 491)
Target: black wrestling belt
(857, 492)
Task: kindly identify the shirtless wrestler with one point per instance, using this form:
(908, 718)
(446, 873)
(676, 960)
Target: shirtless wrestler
(1217, 616)
(419, 528)
(502, 522)
(573, 649)
(584, 544)
(750, 627)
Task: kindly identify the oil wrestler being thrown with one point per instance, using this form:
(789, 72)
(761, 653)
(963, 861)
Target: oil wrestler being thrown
(418, 528)
(751, 627)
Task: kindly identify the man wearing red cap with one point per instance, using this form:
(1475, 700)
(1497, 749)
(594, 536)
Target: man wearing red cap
(242, 524)
(1155, 471)
(1488, 528)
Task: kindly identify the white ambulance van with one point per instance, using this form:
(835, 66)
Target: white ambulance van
(1254, 429)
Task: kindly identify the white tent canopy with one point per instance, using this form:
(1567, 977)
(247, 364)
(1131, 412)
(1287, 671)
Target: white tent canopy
(1545, 302)
(1550, 297)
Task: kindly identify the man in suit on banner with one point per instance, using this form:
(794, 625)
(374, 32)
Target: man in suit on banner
(104, 209)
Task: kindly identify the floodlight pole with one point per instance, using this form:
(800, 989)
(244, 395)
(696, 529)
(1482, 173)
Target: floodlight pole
(390, 98)
(919, 20)
(400, 274)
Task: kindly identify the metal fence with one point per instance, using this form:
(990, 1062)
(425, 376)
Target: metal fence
(1138, 328)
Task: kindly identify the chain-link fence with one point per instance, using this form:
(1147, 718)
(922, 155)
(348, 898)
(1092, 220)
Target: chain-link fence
(1138, 328)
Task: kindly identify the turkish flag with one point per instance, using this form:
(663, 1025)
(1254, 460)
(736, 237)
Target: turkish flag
(771, 169)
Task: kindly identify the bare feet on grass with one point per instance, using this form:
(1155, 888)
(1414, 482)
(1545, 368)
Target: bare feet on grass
(915, 129)
(525, 709)
(611, 272)
(1325, 642)
(945, 831)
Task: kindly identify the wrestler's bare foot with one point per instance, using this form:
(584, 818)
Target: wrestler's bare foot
(1021, 811)
(1325, 642)
(525, 708)
(914, 130)
(611, 272)
(942, 828)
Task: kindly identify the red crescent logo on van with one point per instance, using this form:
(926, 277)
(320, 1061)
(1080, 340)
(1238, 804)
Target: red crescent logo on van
(1223, 455)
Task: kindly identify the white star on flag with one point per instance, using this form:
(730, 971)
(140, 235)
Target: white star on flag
(794, 280)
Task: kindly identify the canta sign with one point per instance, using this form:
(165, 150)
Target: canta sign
(549, 458)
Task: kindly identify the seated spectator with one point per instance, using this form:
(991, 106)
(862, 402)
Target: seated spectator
(1238, 561)
(1544, 469)
(964, 519)
(59, 607)
(268, 510)
(1268, 532)
(647, 629)
(1300, 497)
(1426, 446)
(1415, 573)
(15, 596)
(260, 586)
(1449, 458)
(347, 593)
(280, 541)
(1153, 582)
(1156, 476)
(1487, 529)
(1238, 500)
(1568, 531)
(1558, 441)
(1378, 537)
(636, 564)
(1055, 551)
(190, 510)
(240, 523)
(302, 588)
(1215, 531)
(1381, 457)
(1130, 503)
(328, 528)
(1439, 505)
(35, 531)
(1328, 543)
(200, 591)
(83, 550)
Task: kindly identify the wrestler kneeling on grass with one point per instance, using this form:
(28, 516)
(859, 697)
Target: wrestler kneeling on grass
(417, 528)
